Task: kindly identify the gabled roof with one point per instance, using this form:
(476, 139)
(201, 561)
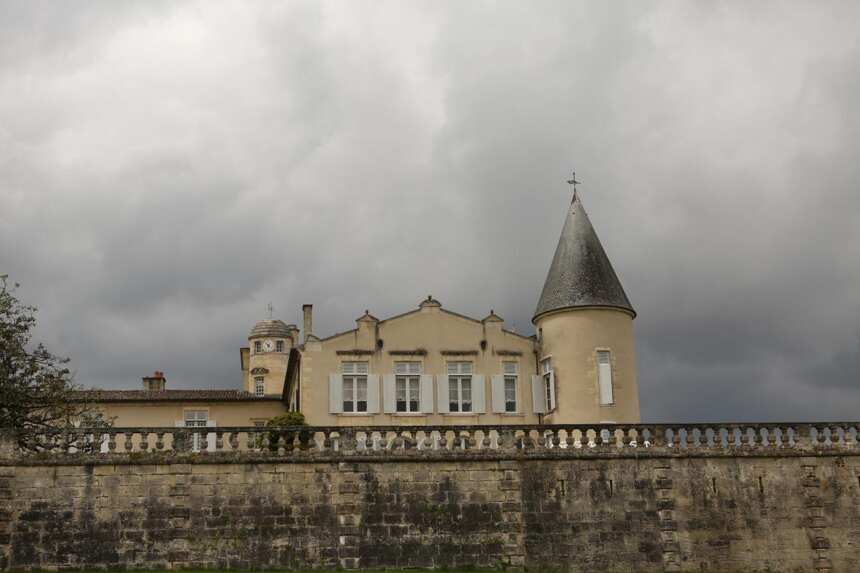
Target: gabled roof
(581, 274)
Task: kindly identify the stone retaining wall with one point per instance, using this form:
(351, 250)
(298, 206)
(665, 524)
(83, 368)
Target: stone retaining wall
(587, 509)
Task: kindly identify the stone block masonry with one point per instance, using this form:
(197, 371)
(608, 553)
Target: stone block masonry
(600, 508)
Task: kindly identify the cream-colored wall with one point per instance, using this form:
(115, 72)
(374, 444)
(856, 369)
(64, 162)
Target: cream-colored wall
(572, 338)
(166, 414)
(275, 362)
(433, 330)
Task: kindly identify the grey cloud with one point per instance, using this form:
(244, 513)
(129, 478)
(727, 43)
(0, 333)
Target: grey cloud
(167, 169)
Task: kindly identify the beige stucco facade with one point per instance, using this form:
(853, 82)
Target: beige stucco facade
(165, 414)
(432, 337)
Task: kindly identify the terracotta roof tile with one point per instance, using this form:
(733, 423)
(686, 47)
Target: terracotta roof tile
(171, 396)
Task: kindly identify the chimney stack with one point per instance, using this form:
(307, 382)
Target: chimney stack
(154, 383)
(308, 310)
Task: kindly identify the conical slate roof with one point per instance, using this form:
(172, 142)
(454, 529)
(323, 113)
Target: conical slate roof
(581, 274)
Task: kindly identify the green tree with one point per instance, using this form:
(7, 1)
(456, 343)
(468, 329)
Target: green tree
(39, 402)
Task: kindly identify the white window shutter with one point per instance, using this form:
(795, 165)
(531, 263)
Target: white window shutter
(478, 392)
(442, 393)
(604, 377)
(426, 403)
(538, 394)
(498, 393)
(373, 393)
(388, 403)
(335, 393)
(552, 403)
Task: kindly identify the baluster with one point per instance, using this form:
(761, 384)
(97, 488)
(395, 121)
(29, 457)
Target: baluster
(584, 439)
(111, 442)
(617, 438)
(505, 439)
(847, 436)
(159, 441)
(555, 439)
(443, 439)
(347, 441)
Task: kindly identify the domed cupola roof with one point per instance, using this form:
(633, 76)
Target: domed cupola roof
(270, 327)
(581, 274)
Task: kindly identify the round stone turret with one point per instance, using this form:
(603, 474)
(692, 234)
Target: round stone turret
(268, 356)
(585, 331)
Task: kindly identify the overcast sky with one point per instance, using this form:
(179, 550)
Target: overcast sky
(168, 169)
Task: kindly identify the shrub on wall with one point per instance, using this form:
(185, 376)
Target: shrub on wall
(284, 437)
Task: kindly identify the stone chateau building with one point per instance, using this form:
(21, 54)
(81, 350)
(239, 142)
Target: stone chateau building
(431, 366)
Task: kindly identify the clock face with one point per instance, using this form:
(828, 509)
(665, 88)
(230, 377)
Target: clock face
(268, 346)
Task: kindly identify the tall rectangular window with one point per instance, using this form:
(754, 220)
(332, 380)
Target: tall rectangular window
(196, 419)
(259, 386)
(355, 386)
(604, 377)
(548, 383)
(459, 386)
(511, 372)
(279, 346)
(258, 347)
(407, 386)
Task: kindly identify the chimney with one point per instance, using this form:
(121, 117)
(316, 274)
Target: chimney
(154, 383)
(308, 310)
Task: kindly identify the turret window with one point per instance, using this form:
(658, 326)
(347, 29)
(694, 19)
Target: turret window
(459, 386)
(548, 383)
(355, 386)
(279, 346)
(259, 386)
(258, 347)
(604, 377)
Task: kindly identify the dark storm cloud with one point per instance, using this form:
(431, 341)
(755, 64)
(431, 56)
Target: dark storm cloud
(167, 169)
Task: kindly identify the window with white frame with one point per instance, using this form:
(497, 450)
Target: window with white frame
(459, 386)
(511, 372)
(279, 346)
(355, 386)
(196, 419)
(407, 384)
(259, 386)
(604, 377)
(258, 347)
(548, 381)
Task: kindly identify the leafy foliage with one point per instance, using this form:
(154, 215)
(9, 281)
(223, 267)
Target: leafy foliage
(38, 399)
(288, 419)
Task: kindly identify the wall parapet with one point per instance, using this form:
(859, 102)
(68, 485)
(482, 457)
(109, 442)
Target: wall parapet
(296, 443)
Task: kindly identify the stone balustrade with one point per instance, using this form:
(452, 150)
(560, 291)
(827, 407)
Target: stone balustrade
(445, 441)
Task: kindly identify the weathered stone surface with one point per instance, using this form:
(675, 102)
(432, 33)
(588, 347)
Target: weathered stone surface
(775, 512)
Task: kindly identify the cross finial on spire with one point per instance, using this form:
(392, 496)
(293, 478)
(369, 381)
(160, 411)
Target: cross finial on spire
(572, 181)
(271, 309)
